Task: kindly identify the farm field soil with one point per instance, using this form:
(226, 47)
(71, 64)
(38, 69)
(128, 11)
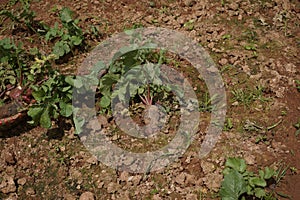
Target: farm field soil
(255, 44)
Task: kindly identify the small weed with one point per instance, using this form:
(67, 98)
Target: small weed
(280, 173)
(222, 3)
(297, 126)
(294, 170)
(154, 191)
(189, 25)
(250, 35)
(250, 47)
(205, 103)
(297, 85)
(164, 10)
(247, 96)
(283, 113)
(226, 36)
(261, 138)
(228, 124)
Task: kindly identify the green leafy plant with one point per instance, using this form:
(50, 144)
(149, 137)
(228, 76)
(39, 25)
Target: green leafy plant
(240, 183)
(53, 99)
(11, 63)
(29, 74)
(125, 71)
(18, 67)
(23, 16)
(116, 71)
(68, 37)
(148, 92)
(25, 75)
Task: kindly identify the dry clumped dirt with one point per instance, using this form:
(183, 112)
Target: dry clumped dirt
(37, 163)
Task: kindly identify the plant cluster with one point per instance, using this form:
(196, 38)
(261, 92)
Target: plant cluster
(67, 37)
(18, 69)
(130, 79)
(239, 183)
(22, 18)
(247, 95)
(133, 80)
(28, 76)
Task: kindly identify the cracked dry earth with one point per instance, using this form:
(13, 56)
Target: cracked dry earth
(253, 43)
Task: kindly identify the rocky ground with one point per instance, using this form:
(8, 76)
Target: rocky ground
(253, 43)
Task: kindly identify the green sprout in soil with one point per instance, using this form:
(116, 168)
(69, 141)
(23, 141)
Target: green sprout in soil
(297, 85)
(247, 96)
(297, 126)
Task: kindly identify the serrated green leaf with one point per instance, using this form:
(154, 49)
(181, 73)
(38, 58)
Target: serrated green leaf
(61, 48)
(269, 173)
(65, 109)
(237, 164)
(259, 192)
(58, 49)
(76, 40)
(38, 95)
(256, 181)
(66, 15)
(35, 113)
(45, 120)
(233, 186)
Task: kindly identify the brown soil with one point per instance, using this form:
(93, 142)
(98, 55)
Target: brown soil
(37, 163)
